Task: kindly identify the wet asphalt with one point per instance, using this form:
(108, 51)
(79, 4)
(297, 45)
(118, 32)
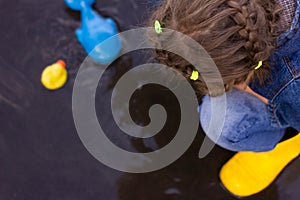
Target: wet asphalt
(41, 154)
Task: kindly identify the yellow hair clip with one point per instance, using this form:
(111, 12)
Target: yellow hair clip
(157, 26)
(258, 65)
(195, 75)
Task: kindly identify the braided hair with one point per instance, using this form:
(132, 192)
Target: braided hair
(237, 34)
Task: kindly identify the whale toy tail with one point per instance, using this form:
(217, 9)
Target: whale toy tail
(79, 4)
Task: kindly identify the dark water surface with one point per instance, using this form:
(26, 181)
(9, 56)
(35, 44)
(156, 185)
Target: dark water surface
(41, 155)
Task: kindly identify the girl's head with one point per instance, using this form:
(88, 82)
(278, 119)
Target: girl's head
(237, 34)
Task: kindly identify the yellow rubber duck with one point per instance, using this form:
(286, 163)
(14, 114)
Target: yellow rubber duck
(55, 75)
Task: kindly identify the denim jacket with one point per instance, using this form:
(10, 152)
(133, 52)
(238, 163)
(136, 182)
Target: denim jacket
(283, 88)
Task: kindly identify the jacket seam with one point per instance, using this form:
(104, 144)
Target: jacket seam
(283, 87)
(291, 67)
(275, 117)
(273, 93)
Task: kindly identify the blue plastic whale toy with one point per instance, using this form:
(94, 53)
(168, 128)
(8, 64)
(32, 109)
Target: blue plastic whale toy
(94, 30)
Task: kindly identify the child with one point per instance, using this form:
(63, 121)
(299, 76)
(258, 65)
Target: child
(256, 47)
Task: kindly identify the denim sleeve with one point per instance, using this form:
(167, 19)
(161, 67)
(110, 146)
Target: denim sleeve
(247, 126)
(285, 109)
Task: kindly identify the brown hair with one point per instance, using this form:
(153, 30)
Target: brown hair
(237, 34)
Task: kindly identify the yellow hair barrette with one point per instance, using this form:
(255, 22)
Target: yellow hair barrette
(157, 26)
(260, 63)
(195, 75)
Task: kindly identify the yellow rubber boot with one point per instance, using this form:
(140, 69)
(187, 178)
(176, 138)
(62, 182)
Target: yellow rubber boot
(248, 173)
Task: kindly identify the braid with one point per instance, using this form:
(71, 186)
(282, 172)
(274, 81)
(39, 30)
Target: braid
(256, 22)
(237, 34)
